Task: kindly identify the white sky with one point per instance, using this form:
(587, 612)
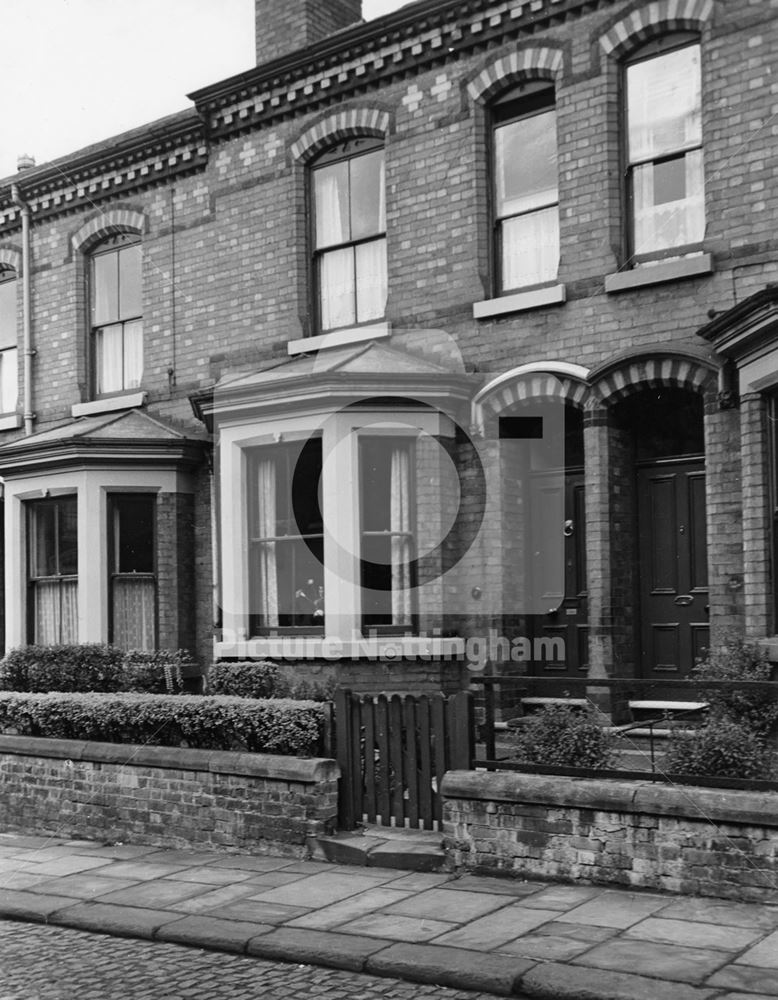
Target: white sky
(74, 72)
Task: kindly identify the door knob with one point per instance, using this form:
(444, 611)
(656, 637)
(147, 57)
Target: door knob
(684, 600)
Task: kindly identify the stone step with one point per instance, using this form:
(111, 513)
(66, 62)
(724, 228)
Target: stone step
(381, 847)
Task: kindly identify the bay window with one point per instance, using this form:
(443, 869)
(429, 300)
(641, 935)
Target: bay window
(665, 185)
(8, 350)
(52, 531)
(132, 571)
(116, 314)
(526, 193)
(350, 234)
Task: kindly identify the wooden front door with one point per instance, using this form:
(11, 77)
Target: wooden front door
(673, 566)
(567, 618)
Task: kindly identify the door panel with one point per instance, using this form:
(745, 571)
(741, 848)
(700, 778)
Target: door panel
(673, 577)
(568, 613)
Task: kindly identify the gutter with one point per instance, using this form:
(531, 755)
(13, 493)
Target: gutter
(29, 350)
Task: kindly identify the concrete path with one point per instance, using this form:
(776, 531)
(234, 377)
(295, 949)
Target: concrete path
(511, 938)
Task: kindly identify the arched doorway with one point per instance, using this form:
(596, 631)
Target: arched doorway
(664, 430)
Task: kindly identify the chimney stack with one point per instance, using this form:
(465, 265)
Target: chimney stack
(284, 26)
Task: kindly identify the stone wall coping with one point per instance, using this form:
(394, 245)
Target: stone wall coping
(727, 805)
(305, 770)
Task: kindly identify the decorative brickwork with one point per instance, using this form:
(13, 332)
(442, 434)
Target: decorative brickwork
(526, 63)
(107, 223)
(646, 20)
(337, 127)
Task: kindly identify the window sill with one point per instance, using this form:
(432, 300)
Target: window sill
(127, 401)
(656, 274)
(11, 422)
(332, 648)
(351, 335)
(535, 298)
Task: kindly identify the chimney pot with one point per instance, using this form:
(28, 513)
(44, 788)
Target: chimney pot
(24, 162)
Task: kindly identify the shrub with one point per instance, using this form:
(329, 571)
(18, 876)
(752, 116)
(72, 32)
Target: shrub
(565, 736)
(247, 679)
(87, 667)
(158, 672)
(307, 690)
(724, 748)
(92, 667)
(736, 660)
(203, 722)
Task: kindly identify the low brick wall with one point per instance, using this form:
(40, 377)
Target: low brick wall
(709, 842)
(165, 796)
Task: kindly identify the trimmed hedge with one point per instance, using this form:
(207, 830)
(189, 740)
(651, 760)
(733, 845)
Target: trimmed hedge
(203, 722)
(92, 667)
(247, 679)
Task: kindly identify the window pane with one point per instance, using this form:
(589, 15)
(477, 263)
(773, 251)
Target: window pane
(664, 104)
(9, 384)
(7, 313)
(367, 195)
(109, 352)
(305, 475)
(133, 354)
(133, 613)
(133, 527)
(105, 288)
(371, 280)
(669, 203)
(526, 164)
(43, 557)
(68, 537)
(530, 248)
(130, 303)
(336, 280)
(332, 204)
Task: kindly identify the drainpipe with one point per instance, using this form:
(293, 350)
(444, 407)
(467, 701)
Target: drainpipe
(28, 352)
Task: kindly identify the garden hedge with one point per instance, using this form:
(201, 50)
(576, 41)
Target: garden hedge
(274, 726)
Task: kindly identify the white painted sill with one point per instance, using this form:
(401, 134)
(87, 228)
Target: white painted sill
(291, 647)
(127, 401)
(536, 298)
(657, 274)
(11, 422)
(338, 338)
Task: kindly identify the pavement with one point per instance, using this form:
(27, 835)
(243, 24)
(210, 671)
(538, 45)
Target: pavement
(501, 936)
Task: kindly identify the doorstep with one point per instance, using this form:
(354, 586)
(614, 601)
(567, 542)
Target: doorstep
(382, 847)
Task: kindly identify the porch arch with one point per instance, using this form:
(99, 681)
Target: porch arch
(620, 377)
(550, 379)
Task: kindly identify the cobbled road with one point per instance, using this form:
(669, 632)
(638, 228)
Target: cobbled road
(54, 963)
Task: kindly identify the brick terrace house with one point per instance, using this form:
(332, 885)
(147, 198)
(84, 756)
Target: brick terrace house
(459, 319)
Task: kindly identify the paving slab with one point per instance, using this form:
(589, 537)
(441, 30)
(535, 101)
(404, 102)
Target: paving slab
(210, 876)
(123, 921)
(253, 863)
(137, 871)
(120, 852)
(577, 932)
(22, 840)
(500, 886)
(315, 890)
(764, 955)
(313, 947)
(646, 958)
(211, 932)
(82, 886)
(158, 894)
(568, 982)
(66, 865)
(545, 947)
(215, 898)
(21, 880)
(695, 934)
(347, 910)
(451, 905)
(562, 897)
(719, 911)
(460, 969)
(419, 881)
(744, 977)
(396, 927)
(180, 857)
(615, 909)
(497, 928)
(21, 905)
(746, 996)
(258, 910)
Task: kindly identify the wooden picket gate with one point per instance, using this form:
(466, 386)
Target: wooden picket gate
(393, 751)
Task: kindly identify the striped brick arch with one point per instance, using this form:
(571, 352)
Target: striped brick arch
(540, 386)
(341, 125)
(655, 372)
(536, 62)
(643, 23)
(114, 220)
